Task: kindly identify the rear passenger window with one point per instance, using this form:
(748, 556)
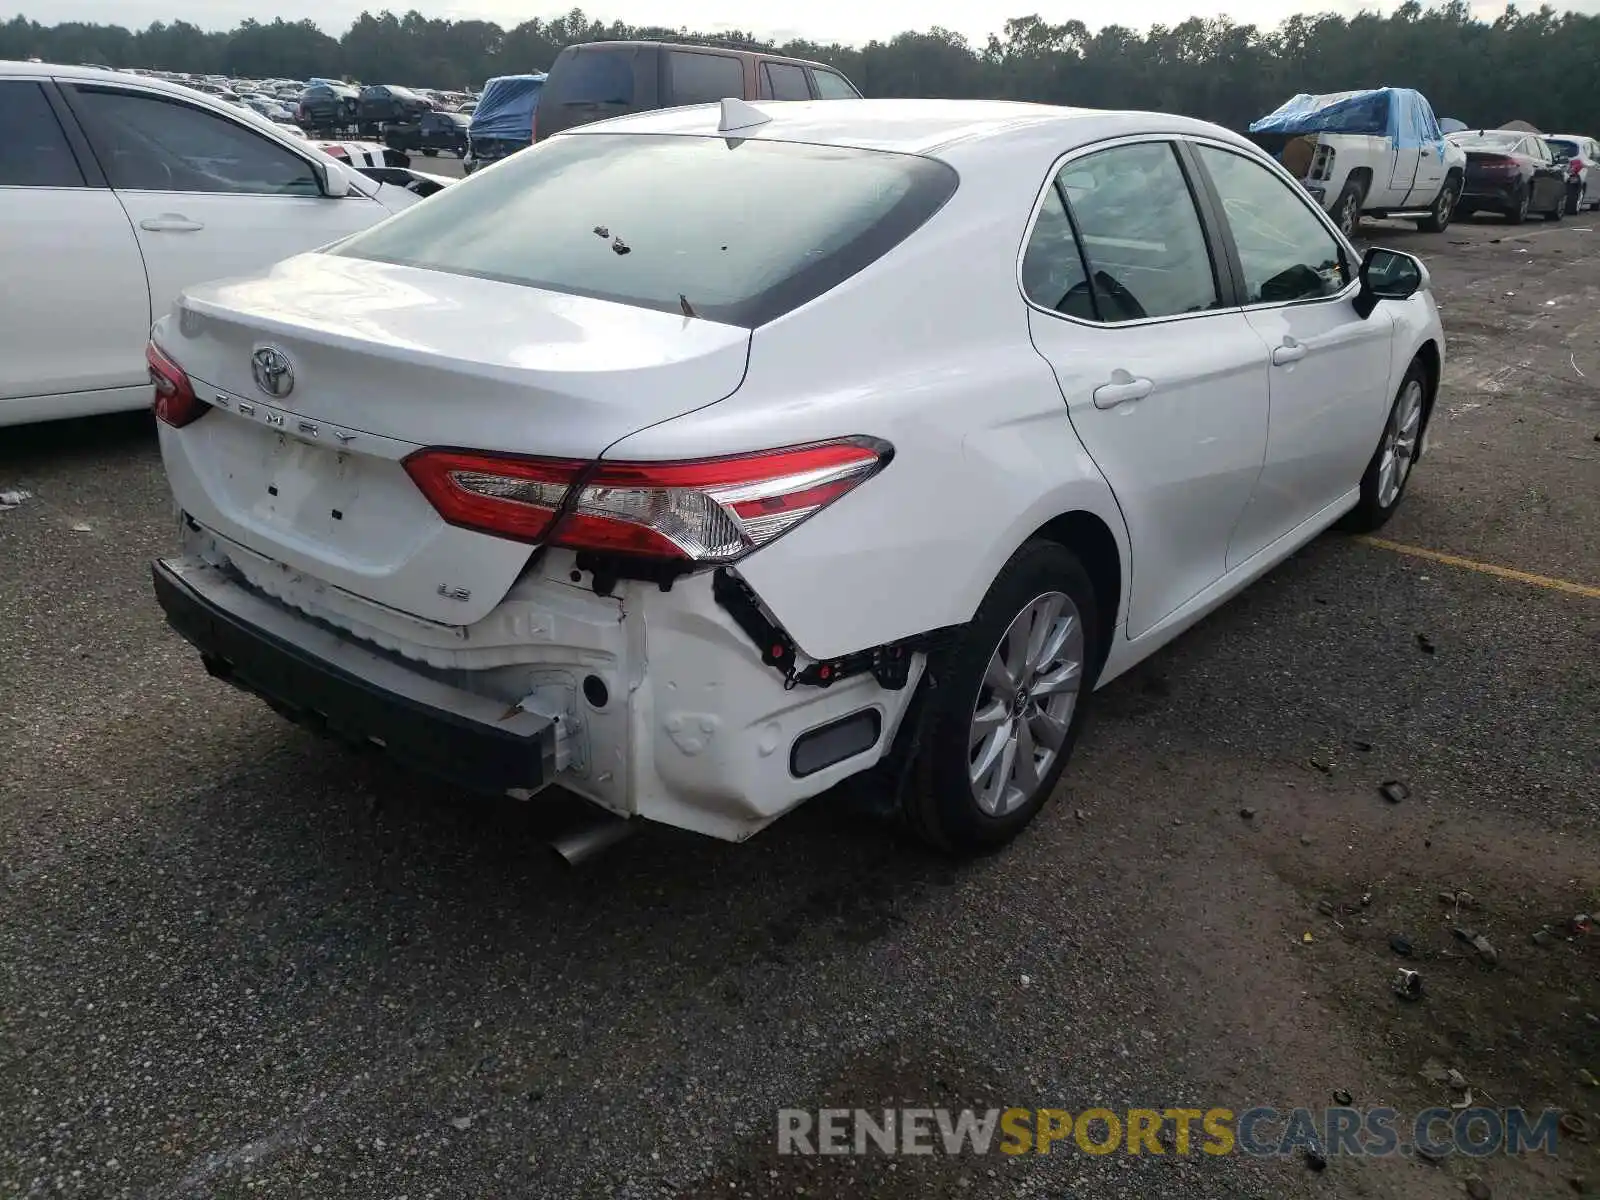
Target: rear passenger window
(833, 86)
(703, 78)
(1146, 250)
(780, 81)
(1052, 266)
(33, 150)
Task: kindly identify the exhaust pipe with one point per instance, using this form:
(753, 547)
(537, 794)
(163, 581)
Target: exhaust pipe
(578, 846)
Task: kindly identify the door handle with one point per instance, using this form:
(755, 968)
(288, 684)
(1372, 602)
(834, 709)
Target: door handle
(1122, 388)
(171, 223)
(1290, 352)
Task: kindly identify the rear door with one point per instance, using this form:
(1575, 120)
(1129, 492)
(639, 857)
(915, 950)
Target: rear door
(1164, 379)
(701, 77)
(1430, 155)
(209, 197)
(782, 81)
(78, 307)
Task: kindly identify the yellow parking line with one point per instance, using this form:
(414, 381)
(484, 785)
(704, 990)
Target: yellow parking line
(1454, 560)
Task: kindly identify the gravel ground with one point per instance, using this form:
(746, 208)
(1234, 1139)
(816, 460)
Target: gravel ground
(237, 962)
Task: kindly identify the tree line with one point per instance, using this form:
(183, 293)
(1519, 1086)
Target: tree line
(1539, 66)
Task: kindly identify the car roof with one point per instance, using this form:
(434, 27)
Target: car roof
(648, 44)
(907, 126)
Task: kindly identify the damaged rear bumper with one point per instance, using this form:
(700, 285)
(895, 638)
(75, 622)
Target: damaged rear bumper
(324, 681)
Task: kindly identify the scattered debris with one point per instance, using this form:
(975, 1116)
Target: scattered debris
(1081, 815)
(1315, 1159)
(1573, 1125)
(618, 246)
(1360, 745)
(13, 498)
(1543, 937)
(1434, 1071)
(1425, 643)
(1395, 790)
(1325, 907)
(1177, 820)
(1306, 938)
(1305, 839)
(1456, 1080)
(1366, 899)
(1464, 1103)
(601, 231)
(1587, 1078)
(1026, 981)
(1485, 950)
(81, 527)
(461, 1124)
(1407, 984)
(1321, 762)
(1247, 813)
(1476, 1187)
(1401, 946)
(1343, 1098)
(1581, 923)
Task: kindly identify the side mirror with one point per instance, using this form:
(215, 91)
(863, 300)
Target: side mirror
(332, 179)
(1388, 275)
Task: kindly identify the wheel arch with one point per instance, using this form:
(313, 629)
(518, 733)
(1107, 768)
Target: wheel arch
(1429, 357)
(1091, 540)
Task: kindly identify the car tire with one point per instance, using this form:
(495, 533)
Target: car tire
(1347, 209)
(1016, 680)
(1574, 199)
(1438, 218)
(1517, 210)
(429, 152)
(1398, 447)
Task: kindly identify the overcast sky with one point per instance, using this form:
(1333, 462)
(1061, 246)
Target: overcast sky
(850, 21)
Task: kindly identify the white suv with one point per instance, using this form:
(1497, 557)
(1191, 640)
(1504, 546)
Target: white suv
(698, 463)
(116, 192)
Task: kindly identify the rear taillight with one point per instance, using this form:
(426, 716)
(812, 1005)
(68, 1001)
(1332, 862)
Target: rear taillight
(1575, 166)
(710, 510)
(1495, 162)
(175, 402)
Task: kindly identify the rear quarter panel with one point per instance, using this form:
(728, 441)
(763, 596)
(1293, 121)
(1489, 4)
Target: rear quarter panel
(928, 349)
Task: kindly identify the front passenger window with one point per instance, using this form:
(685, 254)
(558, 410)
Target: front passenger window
(1287, 252)
(1146, 250)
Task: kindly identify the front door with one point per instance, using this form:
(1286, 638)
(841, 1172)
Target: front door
(1165, 387)
(208, 197)
(1329, 380)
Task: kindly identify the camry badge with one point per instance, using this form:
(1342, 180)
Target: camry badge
(273, 374)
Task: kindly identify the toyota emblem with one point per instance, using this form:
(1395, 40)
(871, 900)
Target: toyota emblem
(273, 374)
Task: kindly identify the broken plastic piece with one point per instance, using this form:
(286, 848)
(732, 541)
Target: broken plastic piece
(1407, 984)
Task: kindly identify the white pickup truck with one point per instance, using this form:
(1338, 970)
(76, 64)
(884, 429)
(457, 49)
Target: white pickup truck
(1378, 152)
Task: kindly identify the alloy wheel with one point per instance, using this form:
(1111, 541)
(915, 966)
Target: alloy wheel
(1025, 704)
(1444, 207)
(1400, 443)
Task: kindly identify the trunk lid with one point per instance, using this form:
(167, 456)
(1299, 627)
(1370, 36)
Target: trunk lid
(386, 359)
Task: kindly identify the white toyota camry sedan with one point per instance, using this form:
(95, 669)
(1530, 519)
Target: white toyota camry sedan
(698, 460)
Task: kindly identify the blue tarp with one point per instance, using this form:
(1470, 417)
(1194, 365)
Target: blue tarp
(505, 110)
(1400, 114)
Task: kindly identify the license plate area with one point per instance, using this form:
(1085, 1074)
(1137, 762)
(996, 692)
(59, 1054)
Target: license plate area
(314, 489)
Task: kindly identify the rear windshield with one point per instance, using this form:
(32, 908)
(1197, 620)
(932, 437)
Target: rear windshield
(1488, 140)
(1563, 146)
(734, 231)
